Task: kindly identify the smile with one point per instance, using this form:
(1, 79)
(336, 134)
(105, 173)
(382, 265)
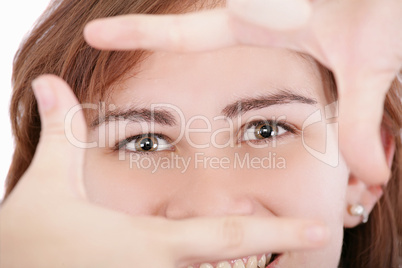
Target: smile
(263, 261)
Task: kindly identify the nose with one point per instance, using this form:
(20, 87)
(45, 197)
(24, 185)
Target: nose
(210, 193)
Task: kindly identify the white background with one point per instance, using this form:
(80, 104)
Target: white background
(16, 19)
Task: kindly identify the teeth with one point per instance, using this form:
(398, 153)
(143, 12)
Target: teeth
(262, 261)
(252, 262)
(269, 257)
(224, 264)
(239, 264)
(206, 265)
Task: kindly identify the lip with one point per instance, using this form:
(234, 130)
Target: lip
(274, 264)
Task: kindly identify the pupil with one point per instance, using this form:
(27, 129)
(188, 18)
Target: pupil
(265, 131)
(147, 144)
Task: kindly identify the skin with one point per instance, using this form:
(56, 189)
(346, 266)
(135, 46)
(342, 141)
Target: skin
(360, 41)
(57, 174)
(53, 185)
(188, 81)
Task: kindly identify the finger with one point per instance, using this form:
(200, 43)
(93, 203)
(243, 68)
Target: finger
(361, 104)
(57, 159)
(280, 15)
(214, 239)
(192, 32)
(187, 32)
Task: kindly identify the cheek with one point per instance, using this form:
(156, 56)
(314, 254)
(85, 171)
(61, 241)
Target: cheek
(112, 183)
(316, 177)
(307, 187)
(304, 188)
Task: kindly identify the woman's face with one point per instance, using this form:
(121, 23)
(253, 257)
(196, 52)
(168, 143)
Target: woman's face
(240, 131)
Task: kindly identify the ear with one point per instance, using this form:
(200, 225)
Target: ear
(367, 195)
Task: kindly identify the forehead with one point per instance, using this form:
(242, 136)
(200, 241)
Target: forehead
(218, 77)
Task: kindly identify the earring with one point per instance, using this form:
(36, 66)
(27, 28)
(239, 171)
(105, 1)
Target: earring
(358, 210)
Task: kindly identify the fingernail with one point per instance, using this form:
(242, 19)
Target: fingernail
(44, 94)
(316, 233)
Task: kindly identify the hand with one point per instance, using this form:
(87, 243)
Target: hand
(47, 221)
(360, 41)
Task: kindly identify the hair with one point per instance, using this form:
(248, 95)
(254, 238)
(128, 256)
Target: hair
(56, 45)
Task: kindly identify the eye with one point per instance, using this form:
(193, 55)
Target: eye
(264, 130)
(146, 143)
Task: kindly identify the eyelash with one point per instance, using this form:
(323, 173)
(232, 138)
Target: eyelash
(274, 124)
(287, 127)
(122, 144)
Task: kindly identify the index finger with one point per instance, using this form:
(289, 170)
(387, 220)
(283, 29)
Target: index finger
(201, 31)
(186, 32)
(231, 238)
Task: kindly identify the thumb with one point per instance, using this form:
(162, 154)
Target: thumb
(361, 105)
(58, 161)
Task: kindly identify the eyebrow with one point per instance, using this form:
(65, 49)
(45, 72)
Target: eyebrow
(161, 117)
(166, 118)
(247, 104)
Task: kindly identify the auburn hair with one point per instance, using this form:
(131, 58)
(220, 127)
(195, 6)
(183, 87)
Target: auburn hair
(56, 45)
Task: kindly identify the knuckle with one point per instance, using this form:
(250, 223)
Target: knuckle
(175, 37)
(235, 26)
(232, 232)
(163, 232)
(54, 130)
